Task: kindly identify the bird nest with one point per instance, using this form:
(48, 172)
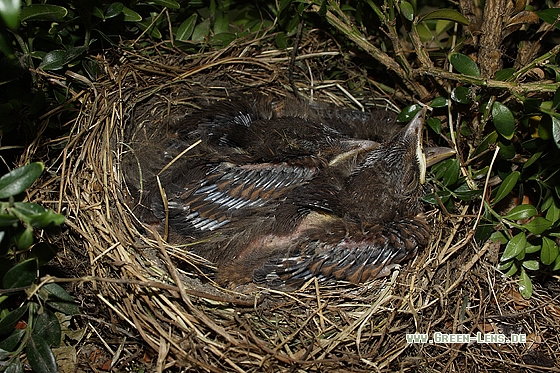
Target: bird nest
(127, 273)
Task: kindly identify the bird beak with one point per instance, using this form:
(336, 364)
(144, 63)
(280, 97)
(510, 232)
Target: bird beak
(414, 131)
(429, 156)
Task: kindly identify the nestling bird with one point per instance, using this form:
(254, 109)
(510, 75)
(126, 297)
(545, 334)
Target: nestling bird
(278, 193)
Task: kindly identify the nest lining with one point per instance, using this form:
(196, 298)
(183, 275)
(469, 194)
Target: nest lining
(451, 287)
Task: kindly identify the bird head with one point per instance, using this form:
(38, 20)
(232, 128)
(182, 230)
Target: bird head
(390, 177)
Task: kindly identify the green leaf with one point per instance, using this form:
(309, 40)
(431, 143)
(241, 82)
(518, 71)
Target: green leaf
(439, 102)
(10, 342)
(521, 212)
(434, 124)
(408, 113)
(556, 265)
(503, 120)
(221, 24)
(171, 4)
(448, 14)
(47, 328)
(18, 180)
(40, 355)
(9, 321)
(54, 60)
(38, 216)
(43, 252)
(25, 239)
(505, 265)
(514, 247)
(532, 265)
(15, 366)
(113, 10)
(555, 130)
(6, 220)
(556, 100)
(407, 10)
(464, 64)
(462, 95)
(9, 10)
(43, 12)
(529, 249)
(57, 298)
(505, 74)
(21, 275)
(553, 213)
(513, 269)
(130, 15)
(550, 16)
(525, 285)
(201, 31)
(506, 186)
(549, 251)
(507, 148)
(538, 225)
(186, 29)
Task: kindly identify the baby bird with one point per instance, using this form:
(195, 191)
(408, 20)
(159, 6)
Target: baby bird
(278, 193)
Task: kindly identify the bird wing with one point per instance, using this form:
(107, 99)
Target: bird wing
(231, 192)
(356, 257)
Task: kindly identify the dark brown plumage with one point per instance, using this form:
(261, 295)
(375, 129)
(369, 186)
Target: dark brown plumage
(280, 193)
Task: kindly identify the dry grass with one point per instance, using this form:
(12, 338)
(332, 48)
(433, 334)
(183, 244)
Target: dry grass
(132, 292)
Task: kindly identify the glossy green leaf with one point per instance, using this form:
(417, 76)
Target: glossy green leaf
(464, 193)
(54, 60)
(21, 275)
(462, 95)
(40, 355)
(439, 102)
(553, 212)
(434, 124)
(532, 265)
(47, 328)
(43, 12)
(514, 247)
(484, 145)
(529, 249)
(536, 156)
(506, 186)
(186, 29)
(556, 130)
(408, 113)
(18, 180)
(513, 269)
(448, 14)
(549, 251)
(130, 15)
(550, 16)
(171, 4)
(38, 216)
(503, 120)
(6, 220)
(9, 10)
(25, 239)
(113, 10)
(407, 10)
(505, 74)
(498, 236)
(538, 225)
(503, 266)
(556, 265)
(15, 366)
(10, 343)
(525, 285)
(464, 64)
(56, 297)
(556, 100)
(8, 322)
(507, 148)
(521, 212)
